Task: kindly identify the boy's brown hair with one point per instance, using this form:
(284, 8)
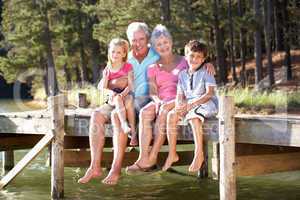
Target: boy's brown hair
(195, 46)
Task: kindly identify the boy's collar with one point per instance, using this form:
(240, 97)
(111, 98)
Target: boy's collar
(198, 68)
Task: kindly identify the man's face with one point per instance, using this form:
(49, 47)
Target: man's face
(194, 59)
(139, 43)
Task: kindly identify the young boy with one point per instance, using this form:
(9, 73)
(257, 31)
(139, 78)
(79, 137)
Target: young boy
(195, 101)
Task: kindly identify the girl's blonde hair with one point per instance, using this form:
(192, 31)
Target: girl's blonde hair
(118, 42)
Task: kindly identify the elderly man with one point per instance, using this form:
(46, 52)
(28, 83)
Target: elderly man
(140, 57)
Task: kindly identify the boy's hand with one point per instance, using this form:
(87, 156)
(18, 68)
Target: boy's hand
(181, 109)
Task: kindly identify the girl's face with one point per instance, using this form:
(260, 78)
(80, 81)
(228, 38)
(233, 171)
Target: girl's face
(163, 46)
(117, 54)
(194, 59)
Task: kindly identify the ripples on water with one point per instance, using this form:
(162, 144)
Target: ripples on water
(34, 184)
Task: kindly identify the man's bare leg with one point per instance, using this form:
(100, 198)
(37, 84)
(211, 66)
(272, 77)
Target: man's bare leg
(198, 140)
(147, 115)
(172, 121)
(119, 142)
(97, 140)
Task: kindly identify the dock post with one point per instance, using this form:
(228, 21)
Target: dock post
(227, 182)
(56, 108)
(7, 161)
(215, 161)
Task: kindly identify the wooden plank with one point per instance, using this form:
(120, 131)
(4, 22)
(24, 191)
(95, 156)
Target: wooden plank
(56, 109)
(252, 165)
(18, 141)
(284, 132)
(26, 160)
(227, 149)
(81, 158)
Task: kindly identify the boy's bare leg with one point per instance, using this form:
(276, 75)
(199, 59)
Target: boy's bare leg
(131, 119)
(172, 121)
(121, 111)
(96, 139)
(198, 140)
(119, 143)
(160, 135)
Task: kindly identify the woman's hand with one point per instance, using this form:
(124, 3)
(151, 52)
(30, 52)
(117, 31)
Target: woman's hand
(210, 69)
(181, 109)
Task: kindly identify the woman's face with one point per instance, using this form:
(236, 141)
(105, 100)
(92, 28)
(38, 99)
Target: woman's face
(117, 54)
(163, 46)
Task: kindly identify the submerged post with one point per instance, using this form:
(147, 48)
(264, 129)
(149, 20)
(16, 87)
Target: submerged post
(7, 160)
(227, 149)
(56, 109)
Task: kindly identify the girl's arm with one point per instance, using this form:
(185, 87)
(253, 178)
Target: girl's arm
(129, 88)
(103, 83)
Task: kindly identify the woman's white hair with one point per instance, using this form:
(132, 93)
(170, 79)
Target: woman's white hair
(137, 26)
(159, 30)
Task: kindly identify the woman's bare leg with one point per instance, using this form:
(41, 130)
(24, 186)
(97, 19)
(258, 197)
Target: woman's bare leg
(160, 135)
(198, 139)
(172, 121)
(119, 143)
(96, 139)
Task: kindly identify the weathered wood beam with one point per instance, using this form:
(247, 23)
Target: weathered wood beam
(7, 161)
(26, 160)
(227, 149)
(56, 109)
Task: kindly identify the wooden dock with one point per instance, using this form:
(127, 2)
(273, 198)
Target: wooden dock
(242, 144)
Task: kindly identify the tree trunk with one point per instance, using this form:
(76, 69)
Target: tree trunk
(232, 46)
(287, 58)
(242, 45)
(78, 76)
(165, 11)
(278, 26)
(68, 77)
(268, 7)
(258, 42)
(219, 43)
(95, 62)
(52, 80)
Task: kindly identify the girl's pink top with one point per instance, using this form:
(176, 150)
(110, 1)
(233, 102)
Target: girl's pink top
(166, 82)
(127, 67)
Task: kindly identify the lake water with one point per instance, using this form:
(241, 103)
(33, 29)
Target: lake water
(34, 183)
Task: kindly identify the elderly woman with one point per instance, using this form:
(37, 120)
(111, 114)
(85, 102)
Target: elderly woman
(163, 78)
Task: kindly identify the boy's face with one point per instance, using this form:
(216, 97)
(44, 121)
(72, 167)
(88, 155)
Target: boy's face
(194, 59)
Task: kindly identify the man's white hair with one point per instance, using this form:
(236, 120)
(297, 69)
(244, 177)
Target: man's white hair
(137, 26)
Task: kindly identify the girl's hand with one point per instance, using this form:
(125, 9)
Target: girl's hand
(210, 69)
(105, 73)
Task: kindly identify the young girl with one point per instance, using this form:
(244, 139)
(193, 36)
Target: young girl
(118, 79)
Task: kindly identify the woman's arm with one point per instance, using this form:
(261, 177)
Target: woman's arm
(153, 90)
(210, 69)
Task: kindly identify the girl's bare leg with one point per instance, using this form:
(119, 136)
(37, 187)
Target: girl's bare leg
(131, 119)
(121, 111)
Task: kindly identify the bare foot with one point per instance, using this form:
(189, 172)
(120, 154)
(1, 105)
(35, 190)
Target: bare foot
(112, 178)
(90, 174)
(197, 163)
(170, 160)
(133, 141)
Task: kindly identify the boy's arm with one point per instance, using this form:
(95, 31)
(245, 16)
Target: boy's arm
(210, 91)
